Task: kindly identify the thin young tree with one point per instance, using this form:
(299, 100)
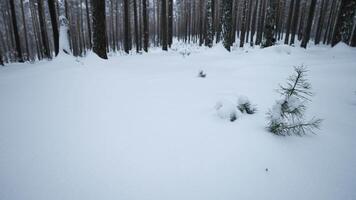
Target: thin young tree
(99, 29)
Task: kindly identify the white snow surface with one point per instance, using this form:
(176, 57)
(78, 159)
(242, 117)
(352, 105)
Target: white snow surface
(144, 127)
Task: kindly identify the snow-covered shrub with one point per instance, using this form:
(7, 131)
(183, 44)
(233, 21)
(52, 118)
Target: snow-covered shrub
(245, 106)
(287, 116)
(202, 74)
(226, 109)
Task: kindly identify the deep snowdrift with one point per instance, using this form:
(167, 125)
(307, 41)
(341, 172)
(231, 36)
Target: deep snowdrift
(145, 127)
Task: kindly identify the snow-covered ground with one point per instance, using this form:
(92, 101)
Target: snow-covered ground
(144, 127)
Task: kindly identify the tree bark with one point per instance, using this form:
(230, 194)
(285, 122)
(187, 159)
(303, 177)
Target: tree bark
(99, 28)
(54, 21)
(170, 22)
(164, 25)
(127, 38)
(289, 21)
(306, 35)
(16, 32)
(145, 25)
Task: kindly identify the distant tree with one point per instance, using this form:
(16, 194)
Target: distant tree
(227, 24)
(289, 21)
(295, 21)
(353, 35)
(170, 22)
(145, 25)
(164, 25)
(320, 21)
(209, 37)
(253, 23)
(270, 25)
(243, 22)
(99, 29)
(1, 60)
(43, 26)
(16, 32)
(127, 37)
(25, 30)
(344, 22)
(306, 35)
(136, 26)
(88, 23)
(52, 11)
(261, 19)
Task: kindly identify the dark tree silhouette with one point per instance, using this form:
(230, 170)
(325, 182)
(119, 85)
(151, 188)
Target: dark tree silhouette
(99, 28)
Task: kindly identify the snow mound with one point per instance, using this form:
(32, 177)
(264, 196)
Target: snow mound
(282, 49)
(226, 109)
(341, 46)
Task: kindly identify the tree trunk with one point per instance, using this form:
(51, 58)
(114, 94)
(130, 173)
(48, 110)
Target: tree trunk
(54, 21)
(16, 32)
(136, 26)
(320, 21)
(43, 26)
(344, 21)
(289, 21)
(99, 29)
(145, 25)
(295, 21)
(306, 35)
(170, 22)
(88, 23)
(127, 38)
(164, 25)
(25, 30)
(243, 23)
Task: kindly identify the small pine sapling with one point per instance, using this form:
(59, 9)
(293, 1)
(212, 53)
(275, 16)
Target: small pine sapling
(245, 106)
(287, 116)
(202, 74)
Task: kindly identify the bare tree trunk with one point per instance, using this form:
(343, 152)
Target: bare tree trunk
(88, 23)
(289, 21)
(99, 28)
(136, 25)
(170, 22)
(25, 30)
(164, 25)
(54, 21)
(145, 25)
(295, 21)
(306, 35)
(127, 37)
(16, 32)
(45, 42)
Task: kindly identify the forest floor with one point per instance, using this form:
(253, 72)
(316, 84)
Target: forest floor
(144, 127)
